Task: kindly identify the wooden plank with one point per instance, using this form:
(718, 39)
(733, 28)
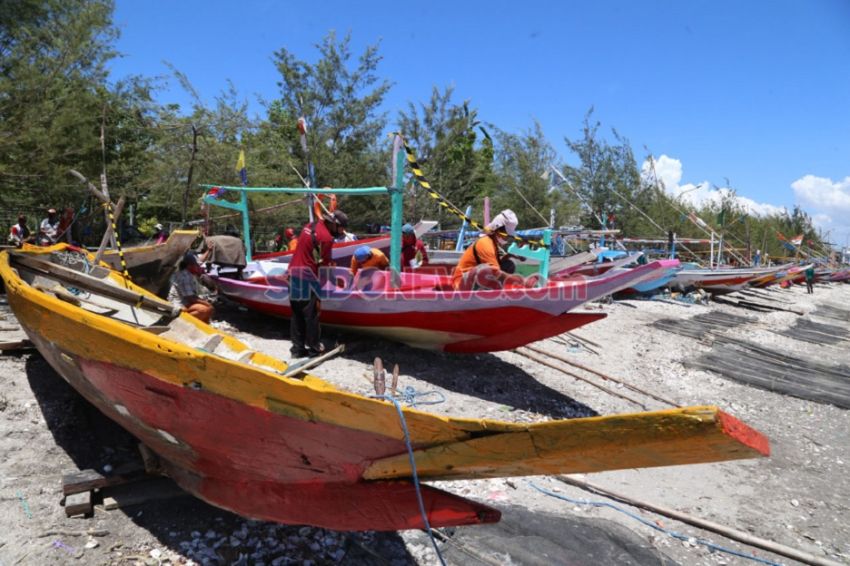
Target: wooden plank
(94, 284)
(85, 480)
(150, 460)
(122, 496)
(78, 504)
(295, 369)
(63, 294)
(16, 346)
(660, 438)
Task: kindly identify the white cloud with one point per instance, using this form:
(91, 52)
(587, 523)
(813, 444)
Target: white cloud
(669, 173)
(828, 202)
(823, 194)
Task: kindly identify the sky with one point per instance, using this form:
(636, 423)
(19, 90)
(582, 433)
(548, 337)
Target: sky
(750, 95)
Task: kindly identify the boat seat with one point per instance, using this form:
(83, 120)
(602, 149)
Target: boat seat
(64, 295)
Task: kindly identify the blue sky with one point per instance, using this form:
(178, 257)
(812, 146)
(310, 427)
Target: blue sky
(756, 92)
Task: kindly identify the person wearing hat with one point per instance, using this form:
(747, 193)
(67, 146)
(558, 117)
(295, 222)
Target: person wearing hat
(49, 228)
(481, 265)
(306, 273)
(186, 285)
(365, 258)
(413, 251)
(160, 235)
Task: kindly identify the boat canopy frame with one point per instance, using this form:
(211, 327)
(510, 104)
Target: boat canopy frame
(395, 192)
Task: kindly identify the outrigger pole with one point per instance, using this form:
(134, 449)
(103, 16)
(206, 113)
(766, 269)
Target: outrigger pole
(396, 193)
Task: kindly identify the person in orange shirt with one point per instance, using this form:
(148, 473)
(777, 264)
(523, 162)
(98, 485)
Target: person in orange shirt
(366, 257)
(480, 266)
(293, 241)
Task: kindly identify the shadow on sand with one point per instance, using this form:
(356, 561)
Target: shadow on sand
(485, 376)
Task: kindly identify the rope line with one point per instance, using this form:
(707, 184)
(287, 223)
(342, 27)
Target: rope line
(407, 441)
(416, 169)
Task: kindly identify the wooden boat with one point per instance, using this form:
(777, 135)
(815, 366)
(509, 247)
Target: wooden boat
(671, 268)
(718, 281)
(443, 262)
(598, 267)
(769, 278)
(425, 312)
(152, 266)
(232, 430)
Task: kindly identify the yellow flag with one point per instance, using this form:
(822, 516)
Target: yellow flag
(240, 168)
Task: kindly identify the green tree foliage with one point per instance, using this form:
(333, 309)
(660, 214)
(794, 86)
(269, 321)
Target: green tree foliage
(52, 95)
(522, 168)
(457, 163)
(340, 100)
(606, 178)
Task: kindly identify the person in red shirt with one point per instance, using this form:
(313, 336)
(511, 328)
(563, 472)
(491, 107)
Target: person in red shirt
(413, 251)
(312, 254)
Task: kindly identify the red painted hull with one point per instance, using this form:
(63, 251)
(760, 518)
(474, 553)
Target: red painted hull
(489, 330)
(260, 464)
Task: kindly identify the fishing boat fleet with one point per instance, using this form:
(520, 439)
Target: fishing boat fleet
(250, 433)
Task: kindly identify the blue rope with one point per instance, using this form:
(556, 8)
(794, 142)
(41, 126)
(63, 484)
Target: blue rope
(398, 408)
(410, 396)
(673, 534)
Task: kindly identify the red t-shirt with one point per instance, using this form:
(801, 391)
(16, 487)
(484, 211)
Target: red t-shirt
(409, 251)
(310, 255)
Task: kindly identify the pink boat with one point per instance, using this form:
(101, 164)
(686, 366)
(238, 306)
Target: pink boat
(425, 312)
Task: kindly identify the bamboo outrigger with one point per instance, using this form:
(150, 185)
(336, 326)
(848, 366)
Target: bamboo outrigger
(232, 430)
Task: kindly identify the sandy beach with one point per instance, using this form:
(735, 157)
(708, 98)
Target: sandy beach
(798, 497)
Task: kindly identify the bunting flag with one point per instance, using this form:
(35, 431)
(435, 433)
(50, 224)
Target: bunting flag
(216, 192)
(781, 237)
(797, 241)
(240, 168)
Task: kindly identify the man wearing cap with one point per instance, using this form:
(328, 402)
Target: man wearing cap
(49, 228)
(413, 251)
(368, 258)
(160, 235)
(186, 285)
(481, 263)
(312, 254)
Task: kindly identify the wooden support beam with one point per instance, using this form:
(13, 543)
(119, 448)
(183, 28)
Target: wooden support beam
(16, 346)
(78, 504)
(86, 480)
